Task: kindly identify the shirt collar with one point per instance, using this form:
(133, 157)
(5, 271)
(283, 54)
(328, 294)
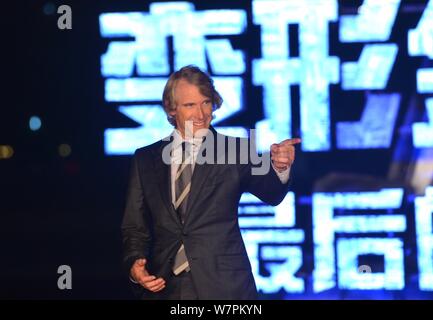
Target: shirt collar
(178, 140)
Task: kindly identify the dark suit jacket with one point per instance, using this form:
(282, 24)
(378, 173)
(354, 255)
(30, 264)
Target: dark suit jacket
(151, 229)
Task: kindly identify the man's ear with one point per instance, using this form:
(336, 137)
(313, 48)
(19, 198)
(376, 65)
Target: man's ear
(172, 113)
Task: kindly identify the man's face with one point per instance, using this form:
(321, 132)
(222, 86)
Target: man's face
(192, 106)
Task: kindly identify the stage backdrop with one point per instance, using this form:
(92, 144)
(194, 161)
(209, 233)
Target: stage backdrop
(355, 82)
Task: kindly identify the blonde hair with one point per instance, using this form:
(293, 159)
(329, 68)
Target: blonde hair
(194, 76)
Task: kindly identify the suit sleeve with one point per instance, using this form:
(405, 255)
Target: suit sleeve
(262, 181)
(136, 234)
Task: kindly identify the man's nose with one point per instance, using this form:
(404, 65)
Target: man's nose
(200, 113)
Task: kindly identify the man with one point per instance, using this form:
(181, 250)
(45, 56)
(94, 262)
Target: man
(180, 228)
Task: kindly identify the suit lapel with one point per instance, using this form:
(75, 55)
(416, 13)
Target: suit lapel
(163, 174)
(201, 171)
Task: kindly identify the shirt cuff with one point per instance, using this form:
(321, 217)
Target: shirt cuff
(132, 280)
(283, 176)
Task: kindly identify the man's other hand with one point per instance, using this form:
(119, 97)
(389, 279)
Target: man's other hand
(140, 274)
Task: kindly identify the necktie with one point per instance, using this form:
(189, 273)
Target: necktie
(182, 187)
(182, 183)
